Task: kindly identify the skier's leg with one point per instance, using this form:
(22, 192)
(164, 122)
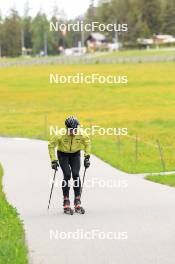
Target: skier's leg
(75, 167)
(64, 164)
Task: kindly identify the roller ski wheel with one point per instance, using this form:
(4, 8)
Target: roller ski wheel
(66, 206)
(68, 211)
(79, 210)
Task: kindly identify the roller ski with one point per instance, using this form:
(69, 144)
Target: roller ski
(66, 206)
(78, 208)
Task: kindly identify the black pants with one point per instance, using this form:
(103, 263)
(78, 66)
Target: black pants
(70, 165)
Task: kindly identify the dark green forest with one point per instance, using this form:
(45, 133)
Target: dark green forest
(144, 18)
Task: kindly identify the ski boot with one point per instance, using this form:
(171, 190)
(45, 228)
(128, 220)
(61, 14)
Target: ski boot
(78, 208)
(66, 206)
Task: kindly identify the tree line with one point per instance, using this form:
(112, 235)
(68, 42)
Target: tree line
(144, 18)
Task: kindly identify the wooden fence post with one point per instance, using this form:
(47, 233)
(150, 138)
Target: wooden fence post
(45, 125)
(161, 156)
(119, 144)
(136, 148)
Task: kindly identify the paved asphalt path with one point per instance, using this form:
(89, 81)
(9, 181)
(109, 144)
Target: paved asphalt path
(140, 214)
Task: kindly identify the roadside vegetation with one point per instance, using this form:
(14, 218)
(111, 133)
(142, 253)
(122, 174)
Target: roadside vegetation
(162, 179)
(140, 53)
(116, 54)
(12, 241)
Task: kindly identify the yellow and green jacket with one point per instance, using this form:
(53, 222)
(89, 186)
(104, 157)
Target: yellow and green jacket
(69, 144)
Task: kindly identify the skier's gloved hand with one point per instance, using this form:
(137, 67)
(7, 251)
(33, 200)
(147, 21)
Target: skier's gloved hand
(87, 162)
(55, 164)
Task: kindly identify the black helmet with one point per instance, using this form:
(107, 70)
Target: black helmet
(72, 122)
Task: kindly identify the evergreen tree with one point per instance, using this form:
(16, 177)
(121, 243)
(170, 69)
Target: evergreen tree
(168, 18)
(11, 43)
(150, 14)
(40, 32)
(1, 34)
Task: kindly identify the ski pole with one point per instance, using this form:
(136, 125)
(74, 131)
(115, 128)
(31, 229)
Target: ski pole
(52, 189)
(83, 181)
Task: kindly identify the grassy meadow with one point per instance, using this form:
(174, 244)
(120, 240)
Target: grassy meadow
(146, 106)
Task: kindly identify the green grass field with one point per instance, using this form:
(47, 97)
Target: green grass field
(162, 179)
(146, 106)
(140, 53)
(12, 241)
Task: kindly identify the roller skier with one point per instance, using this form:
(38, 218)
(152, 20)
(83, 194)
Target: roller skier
(68, 147)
